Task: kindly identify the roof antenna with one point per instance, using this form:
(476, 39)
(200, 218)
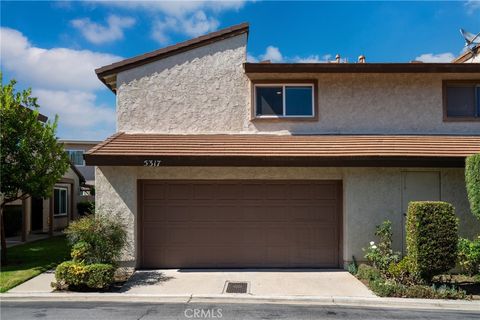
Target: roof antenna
(471, 41)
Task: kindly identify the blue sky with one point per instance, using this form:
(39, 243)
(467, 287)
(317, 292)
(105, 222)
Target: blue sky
(53, 47)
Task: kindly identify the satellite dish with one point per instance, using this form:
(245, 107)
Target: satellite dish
(471, 40)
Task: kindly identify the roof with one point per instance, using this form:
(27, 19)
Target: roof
(278, 150)
(81, 178)
(66, 141)
(361, 68)
(467, 55)
(109, 72)
(40, 117)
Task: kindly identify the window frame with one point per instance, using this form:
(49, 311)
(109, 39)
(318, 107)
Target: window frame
(77, 150)
(313, 83)
(61, 214)
(445, 85)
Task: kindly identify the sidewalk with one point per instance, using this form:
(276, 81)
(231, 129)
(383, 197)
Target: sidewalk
(174, 286)
(15, 241)
(235, 298)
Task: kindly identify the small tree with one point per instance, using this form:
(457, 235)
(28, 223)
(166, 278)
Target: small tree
(31, 158)
(472, 179)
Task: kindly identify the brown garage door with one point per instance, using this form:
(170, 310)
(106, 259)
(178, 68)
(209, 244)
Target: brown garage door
(239, 224)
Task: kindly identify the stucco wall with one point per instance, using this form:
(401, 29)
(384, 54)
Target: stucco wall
(201, 90)
(371, 195)
(205, 90)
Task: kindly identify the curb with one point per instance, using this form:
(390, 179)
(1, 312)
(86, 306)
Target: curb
(235, 298)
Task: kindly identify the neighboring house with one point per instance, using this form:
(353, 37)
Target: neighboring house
(222, 163)
(38, 215)
(76, 149)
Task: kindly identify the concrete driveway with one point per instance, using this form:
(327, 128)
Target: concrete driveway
(274, 282)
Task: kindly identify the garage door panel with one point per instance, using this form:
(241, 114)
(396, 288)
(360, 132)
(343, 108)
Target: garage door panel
(208, 224)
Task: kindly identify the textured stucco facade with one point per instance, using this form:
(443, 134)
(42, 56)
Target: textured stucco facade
(205, 90)
(370, 196)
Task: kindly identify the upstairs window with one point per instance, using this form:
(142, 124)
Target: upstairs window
(284, 100)
(76, 157)
(462, 100)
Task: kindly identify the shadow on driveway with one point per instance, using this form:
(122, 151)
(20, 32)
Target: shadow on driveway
(145, 278)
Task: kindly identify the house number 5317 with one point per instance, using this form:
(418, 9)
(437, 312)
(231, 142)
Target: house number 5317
(152, 163)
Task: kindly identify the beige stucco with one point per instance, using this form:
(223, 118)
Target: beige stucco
(205, 90)
(370, 196)
(201, 90)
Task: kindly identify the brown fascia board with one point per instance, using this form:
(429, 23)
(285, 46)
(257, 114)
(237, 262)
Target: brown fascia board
(133, 62)
(361, 68)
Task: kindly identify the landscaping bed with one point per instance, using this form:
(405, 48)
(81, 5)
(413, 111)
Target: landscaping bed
(433, 251)
(28, 260)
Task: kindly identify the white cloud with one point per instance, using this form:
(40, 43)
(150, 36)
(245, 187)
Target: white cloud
(178, 8)
(64, 82)
(55, 68)
(190, 18)
(79, 115)
(472, 6)
(273, 54)
(194, 25)
(436, 58)
(97, 33)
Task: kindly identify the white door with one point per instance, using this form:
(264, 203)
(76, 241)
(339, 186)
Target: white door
(418, 186)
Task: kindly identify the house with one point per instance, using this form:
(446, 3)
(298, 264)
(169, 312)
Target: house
(219, 162)
(76, 149)
(39, 215)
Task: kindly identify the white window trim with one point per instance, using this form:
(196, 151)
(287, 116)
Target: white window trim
(283, 85)
(61, 214)
(76, 150)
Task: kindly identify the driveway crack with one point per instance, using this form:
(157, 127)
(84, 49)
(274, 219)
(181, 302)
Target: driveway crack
(190, 298)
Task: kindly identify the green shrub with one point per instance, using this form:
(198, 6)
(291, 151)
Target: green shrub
(369, 273)
(472, 180)
(101, 239)
(389, 288)
(431, 237)
(81, 252)
(403, 272)
(381, 255)
(75, 275)
(469, 255)
(384, 288)
(86, 207)
(353, 266)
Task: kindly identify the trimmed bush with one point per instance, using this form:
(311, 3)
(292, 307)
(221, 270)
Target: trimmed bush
(86, 207)
(431, 238)
(75, 275)
(472, 179)
(96, 239)
(469, 255)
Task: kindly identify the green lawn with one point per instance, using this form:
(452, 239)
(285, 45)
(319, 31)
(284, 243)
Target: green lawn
(28, 260)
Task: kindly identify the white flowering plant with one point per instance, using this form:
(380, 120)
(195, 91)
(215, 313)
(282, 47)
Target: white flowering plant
(381, 255)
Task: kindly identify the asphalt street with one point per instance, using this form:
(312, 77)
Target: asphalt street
(146, 311)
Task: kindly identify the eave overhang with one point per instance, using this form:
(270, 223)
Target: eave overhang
(251, 68)
(155, 150)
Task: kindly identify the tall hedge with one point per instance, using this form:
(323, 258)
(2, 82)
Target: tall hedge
(431, 237)
(472, 179)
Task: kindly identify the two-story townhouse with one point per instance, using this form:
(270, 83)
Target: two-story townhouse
(76, 150)
(222, 163)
